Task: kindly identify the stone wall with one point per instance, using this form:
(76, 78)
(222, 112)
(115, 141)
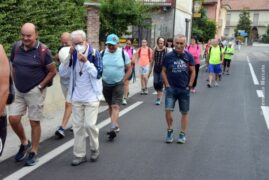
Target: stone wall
(93, 23)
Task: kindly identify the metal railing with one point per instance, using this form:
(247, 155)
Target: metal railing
(157, 2)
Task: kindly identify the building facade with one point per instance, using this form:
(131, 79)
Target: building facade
(259, 15)
(216, 11)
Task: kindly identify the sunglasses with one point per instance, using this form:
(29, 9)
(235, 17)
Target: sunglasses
(110, 45)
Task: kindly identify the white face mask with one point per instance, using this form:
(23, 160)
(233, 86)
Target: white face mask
(80, 48)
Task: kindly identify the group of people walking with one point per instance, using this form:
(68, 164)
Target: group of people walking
(87, 75)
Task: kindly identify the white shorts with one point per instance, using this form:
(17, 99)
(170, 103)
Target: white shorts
(143, 70)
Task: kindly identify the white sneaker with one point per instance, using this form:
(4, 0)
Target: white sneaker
(124, 101)
(216, 84)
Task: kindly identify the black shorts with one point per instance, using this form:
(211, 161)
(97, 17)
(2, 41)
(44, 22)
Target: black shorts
(158, 81)
(3, 132)
(113, 93)
(227, 62)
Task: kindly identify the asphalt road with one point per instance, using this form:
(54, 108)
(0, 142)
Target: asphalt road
(228, 137)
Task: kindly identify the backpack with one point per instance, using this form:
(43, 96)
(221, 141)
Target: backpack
(42, 51)
(190, 46)
(122, 53)
(11, 94)
(219, 49)
(93, 58)
(139, 52)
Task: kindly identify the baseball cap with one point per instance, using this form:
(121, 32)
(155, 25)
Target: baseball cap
(112, 39)
(64, 55)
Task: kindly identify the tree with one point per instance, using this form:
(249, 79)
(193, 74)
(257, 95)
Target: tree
(203, 28)
(244, 23)
(117, 15)
(52, 17)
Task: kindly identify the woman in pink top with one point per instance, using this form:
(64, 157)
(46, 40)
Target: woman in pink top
(128, 48)
(195, 51)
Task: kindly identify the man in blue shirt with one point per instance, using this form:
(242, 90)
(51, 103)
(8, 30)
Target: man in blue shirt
(117, 69)
(178, 74)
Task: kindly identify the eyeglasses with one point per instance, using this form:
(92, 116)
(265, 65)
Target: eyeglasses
(110, 45)
(81, 43)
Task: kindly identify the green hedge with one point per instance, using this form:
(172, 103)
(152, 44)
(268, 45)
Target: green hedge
(52, 17)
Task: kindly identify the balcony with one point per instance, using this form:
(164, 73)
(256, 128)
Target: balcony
(162, 3)
(205, 2)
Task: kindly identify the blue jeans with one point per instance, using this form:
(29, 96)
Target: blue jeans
(182, 95)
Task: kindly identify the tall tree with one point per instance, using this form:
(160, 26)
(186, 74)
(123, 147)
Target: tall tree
(52, 17)
(117, 15)
(244, 23)
(203, 28)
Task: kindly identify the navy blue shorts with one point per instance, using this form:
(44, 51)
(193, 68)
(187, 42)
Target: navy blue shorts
(174, 94)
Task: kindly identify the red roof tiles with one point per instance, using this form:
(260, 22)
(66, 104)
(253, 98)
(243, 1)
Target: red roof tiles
(250, 4)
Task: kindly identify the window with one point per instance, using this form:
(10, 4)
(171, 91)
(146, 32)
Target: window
(255, 19)
(226, 31)
(228, 19)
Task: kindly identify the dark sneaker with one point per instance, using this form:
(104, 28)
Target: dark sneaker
(116, 129)
(227, 73)
(209, 85)
(94, 155)
(158, 102)
(31, 160)
(142, 92)
(169, 136)
(111, 135)
(78, 160)
(182, 138)
(60, 133)
(146, 91)
(22, 153)
(124, 101)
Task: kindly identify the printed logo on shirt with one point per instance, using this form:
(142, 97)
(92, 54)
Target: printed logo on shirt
(179, 66)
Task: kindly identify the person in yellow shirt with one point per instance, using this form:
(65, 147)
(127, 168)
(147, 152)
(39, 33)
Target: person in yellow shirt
(214, 60)
(228, 54)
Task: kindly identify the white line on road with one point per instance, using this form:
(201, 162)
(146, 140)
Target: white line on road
(254, 77)
(265, 110)
(202, 66)
(52, 154)
(260, 93)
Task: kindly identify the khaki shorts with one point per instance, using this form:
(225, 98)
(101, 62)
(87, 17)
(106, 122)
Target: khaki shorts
(33, 101)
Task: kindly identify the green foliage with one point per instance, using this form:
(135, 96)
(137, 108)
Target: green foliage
(52, 17)
(265, 38)
(244, 22)
(203, 28)
(117, 15)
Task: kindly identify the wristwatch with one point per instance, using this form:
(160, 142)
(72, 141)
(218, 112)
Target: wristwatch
(39, 86)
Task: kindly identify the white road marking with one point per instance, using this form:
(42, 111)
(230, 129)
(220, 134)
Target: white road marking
(52, 154)
(254, 77)
(265, 110)
(202, 66)
(124, 111)
(260, 93)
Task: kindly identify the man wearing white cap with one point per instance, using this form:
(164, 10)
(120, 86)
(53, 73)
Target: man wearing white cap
(64, 57)
(117, 69)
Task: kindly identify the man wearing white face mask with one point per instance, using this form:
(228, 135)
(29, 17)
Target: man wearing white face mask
(84, 92)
